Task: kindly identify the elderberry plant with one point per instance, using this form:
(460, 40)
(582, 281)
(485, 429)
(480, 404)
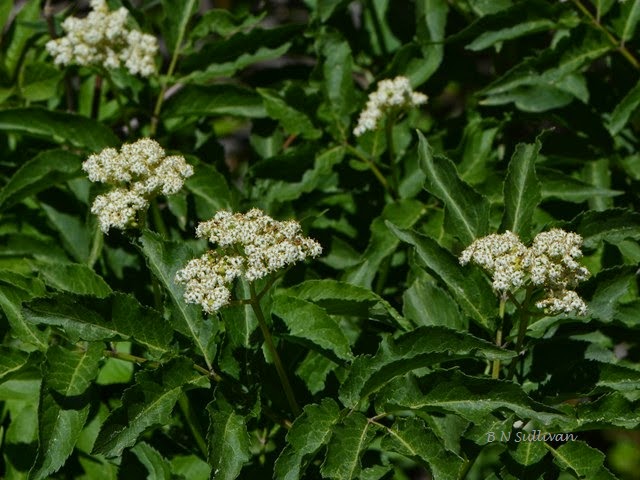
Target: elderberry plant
(337, 239)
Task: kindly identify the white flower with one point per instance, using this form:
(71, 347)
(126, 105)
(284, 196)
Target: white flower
(142, 170)
(102, 38)
(550, 263)
(393, 94)
(117, 208)
(252, 244)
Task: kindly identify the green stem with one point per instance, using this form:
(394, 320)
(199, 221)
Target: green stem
(495, 372)
(619, 44)
(522, 330)
(96, 246)
(97, 97)
(172, 66)
(158, 221)
(288, 391)
(374, 169)
(388, 130)
(194, 424)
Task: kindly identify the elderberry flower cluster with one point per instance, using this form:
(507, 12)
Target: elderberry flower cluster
(102, 38)
(140, 171)
(250, 246)
(391, 95)
(550, 263)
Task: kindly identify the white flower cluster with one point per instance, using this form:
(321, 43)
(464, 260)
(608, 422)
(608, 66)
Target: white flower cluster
(550, 263)
(393, 94)
(102, 38)
(252, 244)
(139, 171)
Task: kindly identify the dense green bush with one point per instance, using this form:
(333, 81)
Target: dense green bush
(426, 341)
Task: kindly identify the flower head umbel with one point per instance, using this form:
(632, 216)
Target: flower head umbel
(550, 263)
(140, 171)
(102, 38)
(250, 245)
(391, 95)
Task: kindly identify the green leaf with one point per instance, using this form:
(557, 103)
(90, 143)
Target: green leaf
(293, 121)
(165, 259)
(337, 87)
(74, 232)
(466, 212)
(625, 26)
(177, 15)
(478, 149)
(39, 81)
(341, 298)
(71, 277)
(119, 317)
(210, 190)
(422, 347)
(490, 38)
(64, 405)
(214, 100)
(325, 9)
(623, 111)
(472, 398)
(229, 444)
(613, 226)
(579, 458)
(557, 185)
(528, 453)
(349, 441)
(24, 30)
(146, 404)
(309, 432)
(58, 127)
(44, 170)
(412, 438)
(470, 288)
(11, 298)
(431, 21)
(521, 190)
(609, 410)
(424, 304)
(383, 243)
(224, 23)
(313, 371)
(157, 466)
(309, 322)
(11, 360)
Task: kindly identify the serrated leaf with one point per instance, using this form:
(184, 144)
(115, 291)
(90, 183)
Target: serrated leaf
(58, 127)
(71, 277)
(341, 298)
(313, 371)
(521, 190)
(229, 444)
(74, 232)
(64, 405)
(422, 347)
(146, 404)
(563, 187)
(611, 409)
(623, 111)
(431, 21)
(472, 398)
(528, 453)
(293, 121)
(309, 432)
(118, 317)
(157, 466)
(579, 458)
(472, 290)
(11, 360)
(210, 190)
(309, 322)
(212, 100)
(44, 170)
(466, 211)
(412, 438)
(349, 441)
(165, 259)
(403, 213)
(177, 15)
(625, 25)
(613, 226)
(11, 298)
